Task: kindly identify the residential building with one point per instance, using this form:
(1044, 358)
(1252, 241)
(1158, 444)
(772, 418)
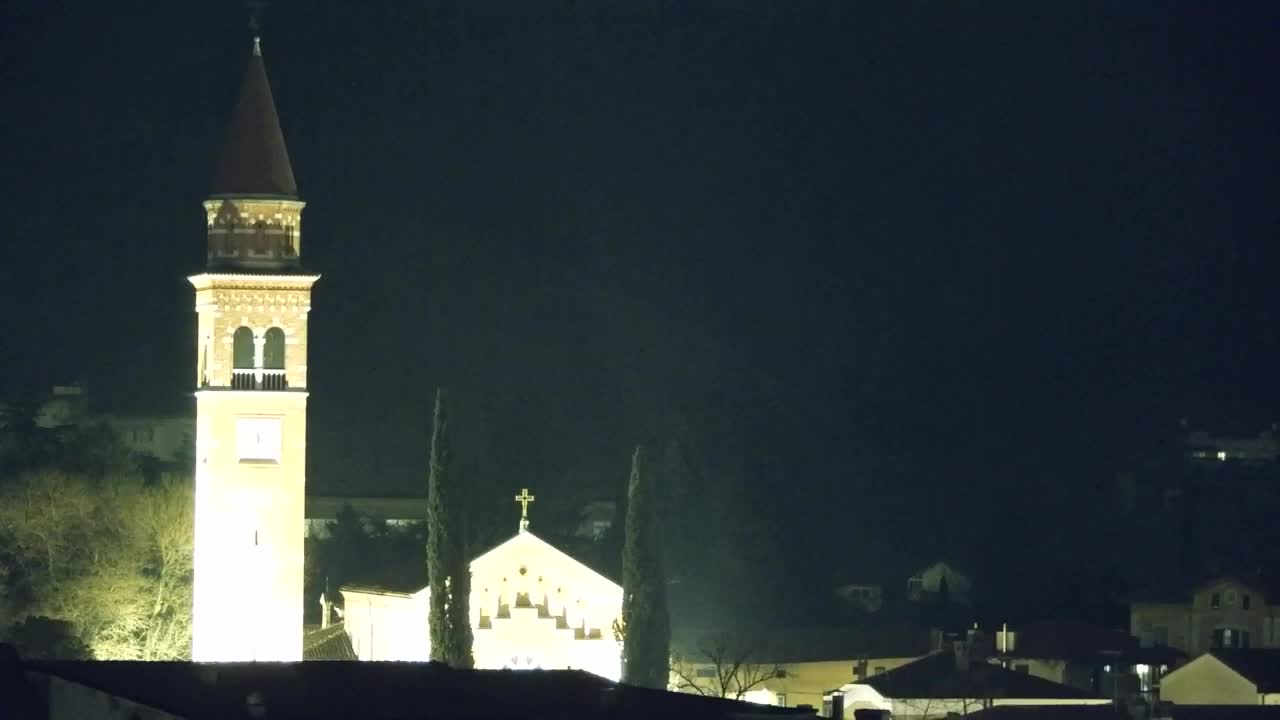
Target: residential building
(954, 680)
(794, 666)
(1226, 677)
(389, 511)
(1104, 661)
(169, 440)
(939, 581)
(1222, 613)
(596, 520)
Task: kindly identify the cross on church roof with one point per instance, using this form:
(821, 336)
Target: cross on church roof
(524, 498)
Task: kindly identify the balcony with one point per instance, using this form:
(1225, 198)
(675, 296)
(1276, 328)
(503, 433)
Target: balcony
(258, 379)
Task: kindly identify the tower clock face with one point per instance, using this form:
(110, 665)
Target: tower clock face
(258, 439)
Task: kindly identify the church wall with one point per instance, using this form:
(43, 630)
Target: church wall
(387, 626)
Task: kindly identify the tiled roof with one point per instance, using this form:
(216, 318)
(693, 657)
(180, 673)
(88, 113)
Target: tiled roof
(385, 691)
(331, 643)
(254, 159)
(1260, 666)
(938, 676)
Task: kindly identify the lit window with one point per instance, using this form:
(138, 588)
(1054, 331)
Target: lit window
(1222, 456)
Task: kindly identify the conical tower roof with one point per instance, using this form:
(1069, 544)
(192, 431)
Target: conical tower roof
(255, 160)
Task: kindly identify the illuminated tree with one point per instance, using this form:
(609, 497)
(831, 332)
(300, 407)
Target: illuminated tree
(448, 572)
(111, 558)
(646, 627)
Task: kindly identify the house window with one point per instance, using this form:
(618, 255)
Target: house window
(1160, 635)
(782, 699)
(1230, 638)
(879, 669)
(780, 673)
(1023, 668)
(1244, 601)
(1215, 601)
(1231, 598)
(706, 672)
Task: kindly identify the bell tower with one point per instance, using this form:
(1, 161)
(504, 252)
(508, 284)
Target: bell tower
(251, 395)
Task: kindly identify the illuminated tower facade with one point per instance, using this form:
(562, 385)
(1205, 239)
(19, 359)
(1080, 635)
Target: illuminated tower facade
(251, 395)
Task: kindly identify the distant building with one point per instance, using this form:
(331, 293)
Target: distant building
(1222, 614)
(167, 439)
(867, 598)
(62, 406)
(792, 666)
(1104, 661)
(954, 681)
(597, 520)
(939, 581)
(1203, 447)
(1226, 677)
(389, 511)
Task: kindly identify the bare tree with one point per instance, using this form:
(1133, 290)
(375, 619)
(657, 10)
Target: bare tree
(113, 558)
(722, 666)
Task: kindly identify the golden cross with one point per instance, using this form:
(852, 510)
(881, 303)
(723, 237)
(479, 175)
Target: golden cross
(524, 498)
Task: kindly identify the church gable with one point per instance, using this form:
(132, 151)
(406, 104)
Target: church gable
(530, 573)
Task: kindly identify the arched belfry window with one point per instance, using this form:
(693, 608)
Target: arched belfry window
(273, 349)
(242, 349)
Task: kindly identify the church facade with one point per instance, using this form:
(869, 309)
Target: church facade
(252, 303)
(532, 607)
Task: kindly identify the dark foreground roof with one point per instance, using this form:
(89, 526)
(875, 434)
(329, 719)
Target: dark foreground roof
(1115, 712)
(938, 676)
(383, 691)
(1260, 666)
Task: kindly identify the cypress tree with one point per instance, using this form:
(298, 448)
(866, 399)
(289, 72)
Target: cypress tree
(646, 627)
(448, 572)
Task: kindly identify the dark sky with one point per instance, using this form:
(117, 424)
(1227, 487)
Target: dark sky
(907, 258)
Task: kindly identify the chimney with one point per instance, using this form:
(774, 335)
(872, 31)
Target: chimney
(961, 650)
(837, 705)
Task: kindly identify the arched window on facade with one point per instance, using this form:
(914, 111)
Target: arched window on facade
(242, 349)
(242, 359)
(273, 350)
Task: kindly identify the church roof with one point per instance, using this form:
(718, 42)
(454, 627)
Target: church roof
(331, 643)
(410, 576)
(254, 159)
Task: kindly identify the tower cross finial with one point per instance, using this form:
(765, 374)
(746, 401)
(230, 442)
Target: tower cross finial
(524, 498)
(255, 23)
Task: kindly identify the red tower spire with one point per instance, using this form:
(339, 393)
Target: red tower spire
(255, 161)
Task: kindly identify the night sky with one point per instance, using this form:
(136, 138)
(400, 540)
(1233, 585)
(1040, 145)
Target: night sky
(896, 263)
